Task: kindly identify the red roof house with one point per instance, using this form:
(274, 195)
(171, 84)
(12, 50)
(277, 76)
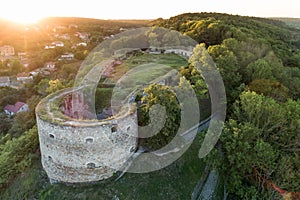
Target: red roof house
(14, 109)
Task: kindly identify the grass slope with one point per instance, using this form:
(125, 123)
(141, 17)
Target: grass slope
(176, 181)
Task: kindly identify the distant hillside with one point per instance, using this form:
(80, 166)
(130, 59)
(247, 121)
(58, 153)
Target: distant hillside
(92, 23)
(214, 28)
(294, 22)
(29, 37)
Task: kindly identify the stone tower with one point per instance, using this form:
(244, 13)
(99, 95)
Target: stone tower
(77, 150)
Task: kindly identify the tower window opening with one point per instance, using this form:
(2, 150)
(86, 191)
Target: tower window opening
(132, 149)
(91, 165)
(89, 140)
(114, 129)
(50, 158)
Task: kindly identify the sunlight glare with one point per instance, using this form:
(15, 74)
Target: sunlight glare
(24, 19)
(30, 11)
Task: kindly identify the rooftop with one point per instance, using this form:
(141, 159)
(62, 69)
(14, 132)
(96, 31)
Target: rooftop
(14, 108)
(4, 79)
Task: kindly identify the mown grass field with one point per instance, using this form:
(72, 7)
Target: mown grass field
(172, 60)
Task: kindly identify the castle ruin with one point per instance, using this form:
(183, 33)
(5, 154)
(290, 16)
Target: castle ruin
(81, 150)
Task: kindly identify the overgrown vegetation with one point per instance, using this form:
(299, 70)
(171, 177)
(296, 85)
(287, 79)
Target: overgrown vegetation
(259, 60)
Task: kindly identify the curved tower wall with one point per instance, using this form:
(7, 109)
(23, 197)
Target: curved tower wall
(85, 151)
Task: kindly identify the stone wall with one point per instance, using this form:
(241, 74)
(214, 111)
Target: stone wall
(87, 150)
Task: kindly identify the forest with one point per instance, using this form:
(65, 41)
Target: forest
(259, 60)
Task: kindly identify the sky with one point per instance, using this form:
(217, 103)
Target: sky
(33, 10)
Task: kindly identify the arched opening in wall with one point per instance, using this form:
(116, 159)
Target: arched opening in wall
(132, 149)
(114, 129)
(128, 128)
(50, 158)
(51, 136)
(91, 165)
(89, 140)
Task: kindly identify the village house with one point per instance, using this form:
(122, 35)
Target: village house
(83, 36)
(7, 51)
(83, 44)
(58, 44)
(123, 29)
(4, 81)
(24, 77)
(50, 65)
(58, 27)
(35, 72)
(154, 50)
(14, 109)
(55, 44)
(181, 52)
(45, 71)
(66, 56)
(64, 36)
(50, 47)
(22, 55)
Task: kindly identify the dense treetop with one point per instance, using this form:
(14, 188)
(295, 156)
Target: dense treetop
(259, 60)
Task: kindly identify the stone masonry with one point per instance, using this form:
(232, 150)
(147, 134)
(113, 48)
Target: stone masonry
(75, 151)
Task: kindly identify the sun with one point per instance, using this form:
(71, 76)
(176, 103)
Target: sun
(23, 12)
(24, 19)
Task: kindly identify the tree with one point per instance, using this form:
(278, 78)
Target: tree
(5, 124)
(261, 139)
(227, 65)
(8, 96)
(153, 39)
(246, 51)
(16, 155)
(79, 55)
(261, 142)
(291, 79)
(154, 95)
(23, 121)
(259, 69)
(171, 39)
(246, 152)
(209, 31)
(269, 88)
(42, 86)
(196, 80)
(2, 67)
(54, 86)
(16, 67)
